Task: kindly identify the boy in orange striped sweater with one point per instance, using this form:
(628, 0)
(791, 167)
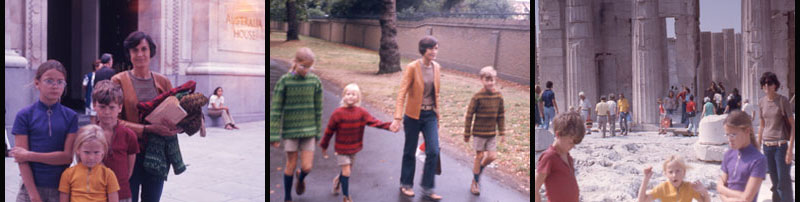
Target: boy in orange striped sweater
(485, 120)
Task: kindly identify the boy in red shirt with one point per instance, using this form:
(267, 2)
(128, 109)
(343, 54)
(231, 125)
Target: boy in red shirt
(691, 112)
(348, 123)
(107, 101)
(556, 168)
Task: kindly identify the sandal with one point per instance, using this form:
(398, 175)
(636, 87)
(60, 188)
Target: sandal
(336, 185)
(474, 188)
(407, 191)
(433, 196)
(301, 186)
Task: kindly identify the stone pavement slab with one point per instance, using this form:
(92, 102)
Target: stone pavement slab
(223, 166)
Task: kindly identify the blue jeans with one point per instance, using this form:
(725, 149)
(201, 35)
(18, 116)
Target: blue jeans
(623, 121)
(683, 113)
(692, 124)
(428, 125)
(152, 185)
(779, 173)
(549, 114)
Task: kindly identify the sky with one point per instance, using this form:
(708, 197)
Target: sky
(715, 15)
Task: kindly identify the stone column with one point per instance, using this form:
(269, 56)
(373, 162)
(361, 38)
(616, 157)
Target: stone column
(687, 29)
(779, 17)
(648, 64)
(729, 60)
(738, 60)
(757, 55)
(718, 59)
(704, 73)
(551, 50)
(581, 70)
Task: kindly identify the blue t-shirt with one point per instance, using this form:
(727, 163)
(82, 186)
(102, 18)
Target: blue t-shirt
(742, 164)
(548, 97)
(46, 132)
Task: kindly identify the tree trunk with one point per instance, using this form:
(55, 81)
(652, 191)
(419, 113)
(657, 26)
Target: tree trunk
(389, 55)
(291, 17)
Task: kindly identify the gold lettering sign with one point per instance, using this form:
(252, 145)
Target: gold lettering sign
(242, 26)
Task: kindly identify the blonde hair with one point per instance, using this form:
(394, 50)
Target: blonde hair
(740, 120)
(88, 133)
(488, 71)
(351, 86)
(677, 159)
(302, 54)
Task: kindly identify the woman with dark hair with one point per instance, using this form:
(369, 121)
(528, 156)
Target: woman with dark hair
(216, 108)
(776, 135)
(420, 87)
(140, 84)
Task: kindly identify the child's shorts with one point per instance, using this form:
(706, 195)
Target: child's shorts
(484, 143)
(345, 159)
(46, 193)
(302, 144)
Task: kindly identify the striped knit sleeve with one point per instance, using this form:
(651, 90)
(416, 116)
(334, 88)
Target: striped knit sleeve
(501, 117)
(276, 110)
(471, 108)
(330, 130)
(318, 108)
(372, 121)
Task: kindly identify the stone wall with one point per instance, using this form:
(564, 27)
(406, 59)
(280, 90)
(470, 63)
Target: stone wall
(464, 44)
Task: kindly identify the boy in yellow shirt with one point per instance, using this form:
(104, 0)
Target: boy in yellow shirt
(623, 109)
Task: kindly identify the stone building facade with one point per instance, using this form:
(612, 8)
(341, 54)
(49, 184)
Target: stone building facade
(216, 43)
(610, 46)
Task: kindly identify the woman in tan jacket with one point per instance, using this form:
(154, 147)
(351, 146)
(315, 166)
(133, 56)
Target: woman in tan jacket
(420, 85)
(140, 84)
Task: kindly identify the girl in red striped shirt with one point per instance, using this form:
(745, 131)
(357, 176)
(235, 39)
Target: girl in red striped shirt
(348, 122)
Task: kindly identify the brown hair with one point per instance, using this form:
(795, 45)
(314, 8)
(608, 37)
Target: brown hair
(134, 39)
(106, 92)
(569, 124)
(95, 64)
(48, 65)
(769, 78)
(427, 42)
(740, 120)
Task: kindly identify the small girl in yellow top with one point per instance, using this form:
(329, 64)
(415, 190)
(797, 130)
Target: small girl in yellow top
(90, 147)
(674, 190)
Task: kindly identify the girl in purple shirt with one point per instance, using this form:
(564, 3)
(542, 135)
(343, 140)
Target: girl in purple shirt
(743, 167)
(43, 134)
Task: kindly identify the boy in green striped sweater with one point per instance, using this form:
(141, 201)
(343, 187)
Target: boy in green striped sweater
(485, 120)
(295, 118)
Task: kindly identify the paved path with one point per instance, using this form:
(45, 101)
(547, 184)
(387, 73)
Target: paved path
(375, 175)
(224, 166)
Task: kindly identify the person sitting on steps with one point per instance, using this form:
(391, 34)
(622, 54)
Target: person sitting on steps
(216, 108)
